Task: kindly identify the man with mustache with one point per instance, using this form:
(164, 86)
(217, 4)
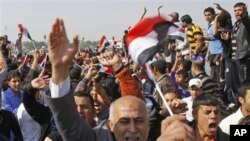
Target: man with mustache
(128, 115)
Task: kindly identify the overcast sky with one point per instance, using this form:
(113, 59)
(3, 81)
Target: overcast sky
(93, 18)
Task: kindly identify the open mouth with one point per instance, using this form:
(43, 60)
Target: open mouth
(212, 127)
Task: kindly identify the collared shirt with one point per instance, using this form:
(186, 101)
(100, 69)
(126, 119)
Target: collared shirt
(11, 101)
(60, 90)
(232, 119)
(215, 44)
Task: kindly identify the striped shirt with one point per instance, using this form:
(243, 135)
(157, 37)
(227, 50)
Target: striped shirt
(234, 41)
(193, 34)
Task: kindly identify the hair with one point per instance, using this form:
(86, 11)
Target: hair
(187, 65)
(223, 19)
(187, 19)
(169, 66)
(173, 90)
(210, 9)
(75, 73)
(182, 72)
(160, 65)
(198, 65)
(239, 4)
(12, 74)
(243, 89)
(87, 95)
(203, 99)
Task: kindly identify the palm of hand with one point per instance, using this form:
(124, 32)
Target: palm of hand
(38, 83)
(60, 50)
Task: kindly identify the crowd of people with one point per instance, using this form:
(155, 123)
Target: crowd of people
(66, 94)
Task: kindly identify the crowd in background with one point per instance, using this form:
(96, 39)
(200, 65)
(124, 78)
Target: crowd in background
(65, 93)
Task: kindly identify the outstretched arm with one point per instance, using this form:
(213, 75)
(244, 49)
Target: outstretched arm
(61, 52)
(62, 104)
(159, 13)
(144, 13)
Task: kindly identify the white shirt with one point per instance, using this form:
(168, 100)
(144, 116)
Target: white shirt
(31, 130)
(232, 119)
(60, 90)
(189, 114)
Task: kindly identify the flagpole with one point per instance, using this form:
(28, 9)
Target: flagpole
(160, 92)
(33, 42)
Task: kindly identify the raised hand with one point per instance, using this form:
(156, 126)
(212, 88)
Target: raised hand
(160, 7)
(40, 82)
(173, 128)
(61, 52)
(218, 6)
(110, 58)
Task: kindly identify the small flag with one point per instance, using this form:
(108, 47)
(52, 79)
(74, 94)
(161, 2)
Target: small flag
(26, 60)
(24, 31)
(103, 43)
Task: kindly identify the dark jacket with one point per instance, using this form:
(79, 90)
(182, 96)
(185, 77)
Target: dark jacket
(37, 111)
(243, 39)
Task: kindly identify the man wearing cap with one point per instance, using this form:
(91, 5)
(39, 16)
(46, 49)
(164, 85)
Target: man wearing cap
(195, 89)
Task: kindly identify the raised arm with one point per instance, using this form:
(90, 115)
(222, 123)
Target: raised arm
(128, 84)
(61, 53)
(144, 13)
(159, 13)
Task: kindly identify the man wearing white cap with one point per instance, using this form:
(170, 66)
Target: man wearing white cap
(195, 89)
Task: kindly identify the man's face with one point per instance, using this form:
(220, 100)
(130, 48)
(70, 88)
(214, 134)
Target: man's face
(130, 122)
(180, 79)
(15, 84)
(208, 118)
(238, 11)
(195, 91)
(85, 110)
(170, 97)
(245, 103)
(209, 17)
(101, 101)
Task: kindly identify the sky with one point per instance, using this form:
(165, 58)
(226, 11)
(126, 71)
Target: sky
(91, 19)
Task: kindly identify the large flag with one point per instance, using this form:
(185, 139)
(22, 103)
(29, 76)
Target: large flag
(147, 37)
(103, 43)
(24, 31)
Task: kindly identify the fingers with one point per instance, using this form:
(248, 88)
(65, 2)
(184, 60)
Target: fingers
(174, 128)
(75, 42)
(166, 122)
(178, 131)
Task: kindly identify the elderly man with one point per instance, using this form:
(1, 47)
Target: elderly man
(127, 121)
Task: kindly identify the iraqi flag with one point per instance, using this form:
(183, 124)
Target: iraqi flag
(24, 31)
(147, 37)
(103, 43)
